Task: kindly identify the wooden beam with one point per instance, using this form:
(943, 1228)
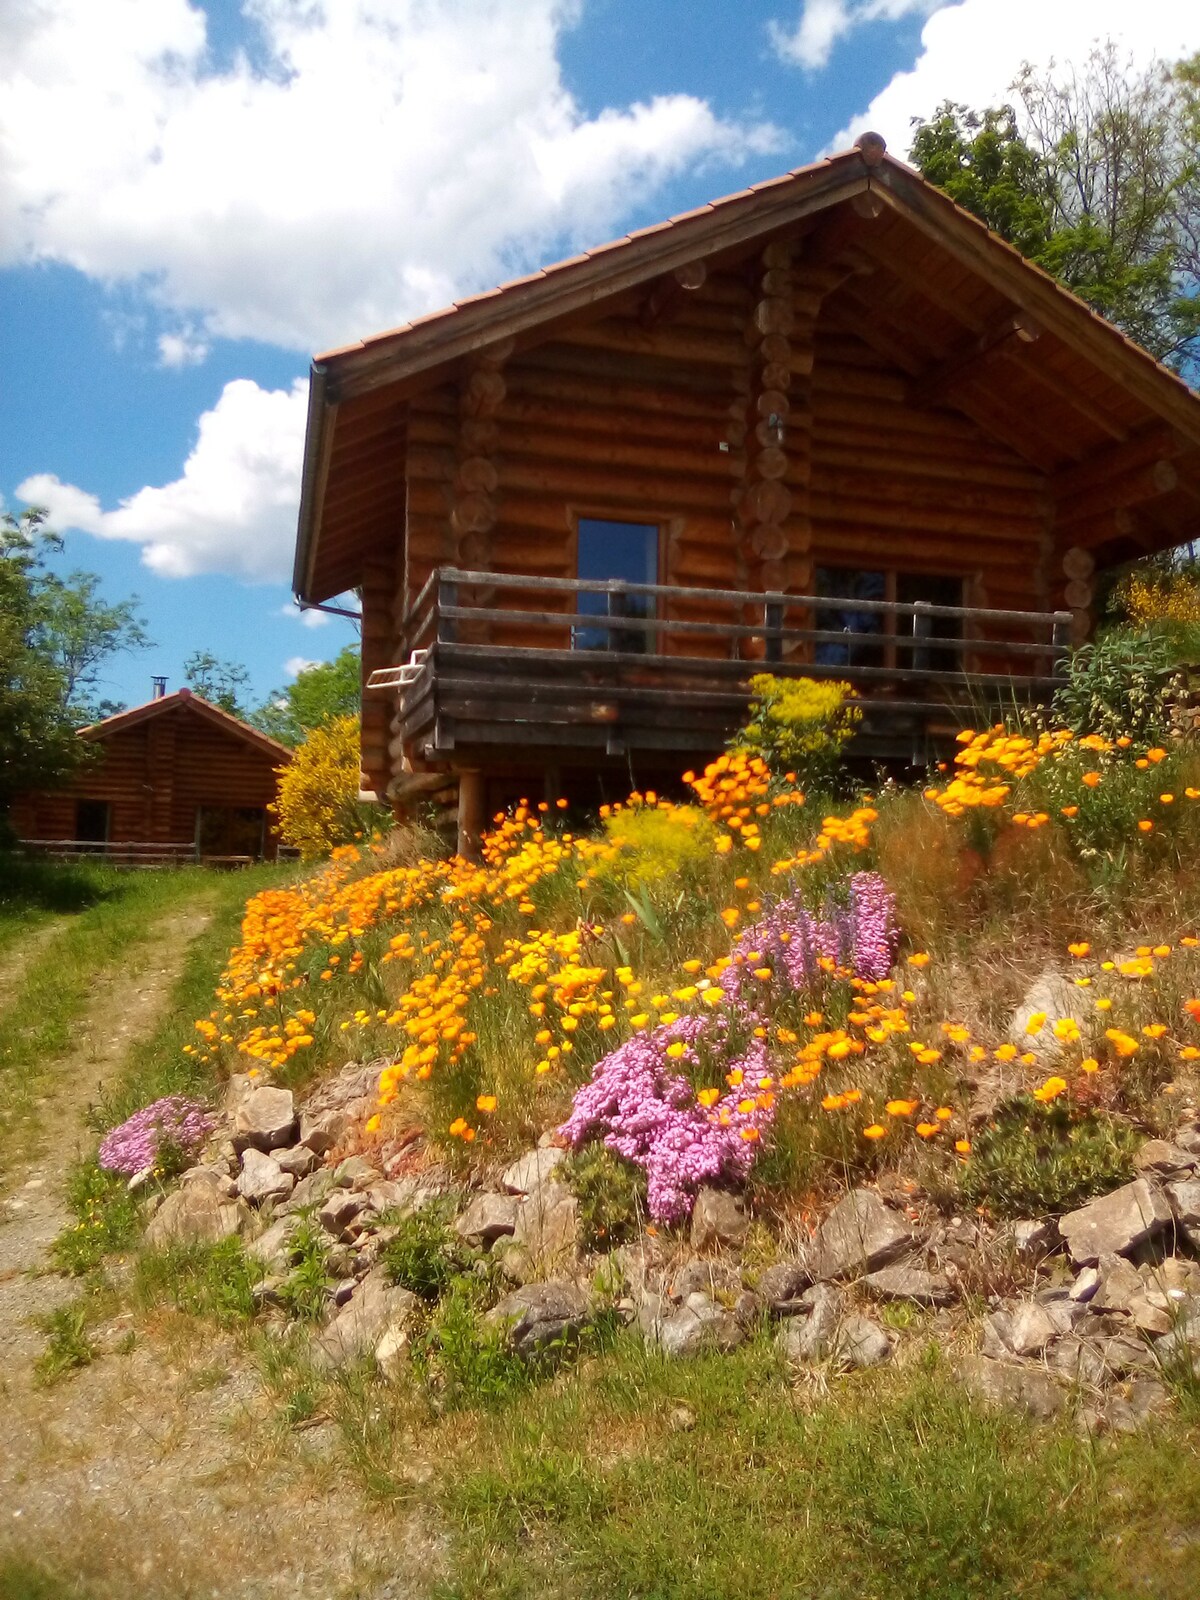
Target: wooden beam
(933, 387)
(1038, 373)
(1108, 463)
(668, 294)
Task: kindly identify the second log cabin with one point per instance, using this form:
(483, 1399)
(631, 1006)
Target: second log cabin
(827, 426)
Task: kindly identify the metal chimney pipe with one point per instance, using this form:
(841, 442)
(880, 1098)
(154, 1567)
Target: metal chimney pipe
(160, 688)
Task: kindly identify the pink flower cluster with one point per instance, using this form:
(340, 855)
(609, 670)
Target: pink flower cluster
(647, 1111)
(174, 1120)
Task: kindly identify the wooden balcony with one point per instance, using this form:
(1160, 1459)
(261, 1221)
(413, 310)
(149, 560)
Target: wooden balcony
(505, 668)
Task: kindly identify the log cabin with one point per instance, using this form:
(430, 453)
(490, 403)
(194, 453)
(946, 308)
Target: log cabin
(176, 779)
(829, 425)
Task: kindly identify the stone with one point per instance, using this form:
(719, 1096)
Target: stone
(1020, 1330)
(391, 1353)
(699, 1324)
(1148, 1317)
(1116, 1223)
(533, 1168)
(341, 1289)
(547, 1226)
(356, 1172)
(781, 1285)
(1120, 1284)
(1164, 1160)
(1008, 1387)
(273, 1247)
(1184, 1200)
(1181, 1345)
(265, 1119)
(196, 1214)
(262, 1179)
(713, 1278)
(859, 1235)
(217, 1179)
(240, 1086)
(718, 1218)
(488, 1217)
(340, 1210)
(374, 1308)
(401, 1195)
(1032, 1240)
(1084, 1288)
(540, 1313)
(1077, 1360)
(298, 1160)
(811, 1338)
(1146, 1398)
(310, 1192)
(324, 1133)
(1122, 1353)
(904, 1282)
(862, 1343)
(1053, 996)
(1176, 1278)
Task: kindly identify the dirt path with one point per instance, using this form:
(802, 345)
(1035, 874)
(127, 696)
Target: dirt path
(17, 955)
(159, 1470)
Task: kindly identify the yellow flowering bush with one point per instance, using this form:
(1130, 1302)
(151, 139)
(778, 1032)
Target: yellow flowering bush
(317, 805)
(653, 841)
(799, 725)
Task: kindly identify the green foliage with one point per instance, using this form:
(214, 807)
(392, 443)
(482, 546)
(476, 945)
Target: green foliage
(1117, 685)
(221, 683)
(319, 694)
(68, 1347)
(462, 1363)
(799, 725)
(1093, 175)
(426, 1256)
(305, 1291)
(611, 1194)
(79, 631)
(1034, 1160)
(106, 1218)
(651, 846)
(213, 1281)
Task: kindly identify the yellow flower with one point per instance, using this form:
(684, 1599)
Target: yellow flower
(486, 1102)
(1050, 1090)
(920, 959)
(675, 1050)
(1080, 949)
(901, 1108)
(1089, 1064)
(875, 1131)
(1036, 1023)
(708, 1097)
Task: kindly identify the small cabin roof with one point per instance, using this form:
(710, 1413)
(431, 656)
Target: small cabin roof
(189, 702)
(1113, 393)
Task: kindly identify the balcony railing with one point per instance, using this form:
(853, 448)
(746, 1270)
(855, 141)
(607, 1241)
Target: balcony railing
(498, 658)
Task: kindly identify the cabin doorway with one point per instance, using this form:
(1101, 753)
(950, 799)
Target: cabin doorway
(93, 819)
(622, 551)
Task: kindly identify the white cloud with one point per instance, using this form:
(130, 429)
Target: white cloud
(972, 51)
(181, 349)
(233, 508)
(364, 162)
(809, 43)
(295, 665)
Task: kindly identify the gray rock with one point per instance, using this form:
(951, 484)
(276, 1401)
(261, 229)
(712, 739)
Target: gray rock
(718, 1218)
(402, 1195)
(298, 1160)
(1032, 1240)
(713, 1278)
(197, 1214)
(699, 1324)
(1160, 1159)
(811, 1337)
(274, 1247)
(1184, 1200)
(1083, 1290)
(262, 1179)
(1120, 1285)
(321, 1134)
(546, 1232)
(240, 1086)
(781, 1285)
(540, 1313)
(392, 1351)
(215, 1177)
(341, 1289)
(340, 1211)
(533, 1168)
(862, 1343)
(1181, 1345)
(373, 1308)
(265, 1119)
(1116, 1223)
(310, 1192)
(859, 1235)
(1011, 1388)
(356, 1172)
(1127, 1413)
(1024, 1329)
(903, 1282)
(1055, 996)
(488, 1217)
(1077, 1361)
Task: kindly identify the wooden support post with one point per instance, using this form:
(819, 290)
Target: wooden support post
(472, 813)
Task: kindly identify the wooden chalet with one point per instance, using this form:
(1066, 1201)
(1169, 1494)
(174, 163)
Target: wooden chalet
(174, 780)
(827, 426)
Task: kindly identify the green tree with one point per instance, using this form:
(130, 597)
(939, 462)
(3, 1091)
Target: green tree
(1096, 177)
(319, 694)
(221, 683)
(38, 747)
(80, 631)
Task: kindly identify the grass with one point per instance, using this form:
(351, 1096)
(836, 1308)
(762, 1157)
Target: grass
(21, 1579)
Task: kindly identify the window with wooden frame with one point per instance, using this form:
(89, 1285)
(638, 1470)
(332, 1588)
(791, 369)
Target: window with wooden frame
(607, 551)
(882, 638)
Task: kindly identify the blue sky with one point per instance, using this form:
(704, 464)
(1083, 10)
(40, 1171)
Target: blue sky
(195, 198)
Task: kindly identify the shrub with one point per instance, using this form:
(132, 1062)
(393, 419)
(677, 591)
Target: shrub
(425, 1255)
(1035, 1159)
(799, 725)
(318, 805)
(611, 1195)
(1117, 685)
(653, 844)
(160, 1137)
(106, 1219)
(462, 1363)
